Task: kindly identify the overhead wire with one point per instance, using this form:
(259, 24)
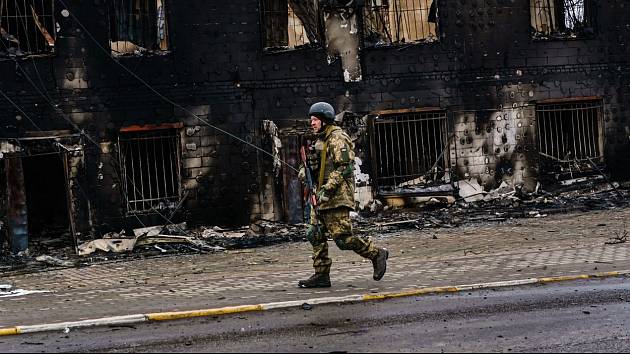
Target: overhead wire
(166, 99)
(151, 88)
(83, 133)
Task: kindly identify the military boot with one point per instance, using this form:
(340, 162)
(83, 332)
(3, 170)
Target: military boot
(317, 280)
(380, 263)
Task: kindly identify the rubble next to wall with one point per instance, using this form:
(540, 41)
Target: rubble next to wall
(500, 205)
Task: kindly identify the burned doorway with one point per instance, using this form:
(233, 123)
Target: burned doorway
(45, 183)
(571, 137)
(410, 152)
(46, 187)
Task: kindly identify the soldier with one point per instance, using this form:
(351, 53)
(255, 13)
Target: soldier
(333, 162)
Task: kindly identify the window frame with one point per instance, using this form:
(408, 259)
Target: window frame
(426, 41)
(282, 49)
(176, 166)
(440, 116)
(146, 51)
(555, 34)
(50, 32)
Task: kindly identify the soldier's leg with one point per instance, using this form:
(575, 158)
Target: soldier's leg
(316, 235)
(339, 227)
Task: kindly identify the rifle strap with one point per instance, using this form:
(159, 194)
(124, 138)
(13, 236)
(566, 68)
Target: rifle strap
(322, 164)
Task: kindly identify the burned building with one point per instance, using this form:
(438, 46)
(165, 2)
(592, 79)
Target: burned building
(118, 114)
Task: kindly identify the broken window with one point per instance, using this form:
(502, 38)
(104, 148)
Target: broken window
(410, 149)
(562, 18)
(150, 169)
(137, 26)
(290, 24)
(389, 22)
(571, 134)
(27, 27)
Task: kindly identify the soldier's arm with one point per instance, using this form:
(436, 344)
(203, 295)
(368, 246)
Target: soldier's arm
(343, 161)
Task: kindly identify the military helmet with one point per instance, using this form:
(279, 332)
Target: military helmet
(324, 111)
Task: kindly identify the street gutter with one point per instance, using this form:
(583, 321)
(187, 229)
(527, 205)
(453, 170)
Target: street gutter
(179, 315)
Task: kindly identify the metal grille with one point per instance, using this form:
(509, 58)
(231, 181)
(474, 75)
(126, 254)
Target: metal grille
(561, 17)
(137, 26)
(410, 148)
(150, 169)
(570, 132)
(27, 26)
(285, 26)
(399, 21)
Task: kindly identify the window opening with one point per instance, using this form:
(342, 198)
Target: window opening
(27, 27)
(562, 18)
(570, 135)
(410, 150)
(150, 168)
(389, 22)
(138, 26)
(290, 24)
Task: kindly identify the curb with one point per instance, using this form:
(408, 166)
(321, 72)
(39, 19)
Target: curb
(170, 316)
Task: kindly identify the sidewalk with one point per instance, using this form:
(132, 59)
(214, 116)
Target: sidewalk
(554, 246)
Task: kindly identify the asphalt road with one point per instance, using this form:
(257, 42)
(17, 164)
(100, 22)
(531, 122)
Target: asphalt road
(585, 316)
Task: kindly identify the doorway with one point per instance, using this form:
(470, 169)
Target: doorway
(47, 200)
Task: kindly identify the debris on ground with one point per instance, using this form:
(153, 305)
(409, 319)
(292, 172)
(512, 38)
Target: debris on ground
(474, 205)
(619, 237)
(54, 261)
(503, 204)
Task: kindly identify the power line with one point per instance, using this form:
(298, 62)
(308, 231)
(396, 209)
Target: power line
(51, 103)
(49, 100)
(166, 99)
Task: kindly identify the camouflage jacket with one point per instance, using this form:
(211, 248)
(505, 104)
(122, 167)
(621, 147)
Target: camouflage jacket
(338, 174)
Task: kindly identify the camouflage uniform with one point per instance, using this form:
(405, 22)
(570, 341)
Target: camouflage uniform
(337, 185)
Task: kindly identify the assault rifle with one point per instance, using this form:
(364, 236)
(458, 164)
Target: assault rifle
(310, 191)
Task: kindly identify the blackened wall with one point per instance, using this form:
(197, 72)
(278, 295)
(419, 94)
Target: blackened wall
(485, 65)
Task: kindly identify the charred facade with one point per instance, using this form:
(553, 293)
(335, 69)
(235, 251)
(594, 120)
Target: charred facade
(109, 109)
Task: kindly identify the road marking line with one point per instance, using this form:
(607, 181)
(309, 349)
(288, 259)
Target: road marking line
(9, 331)
(80, 324)
(168, 316)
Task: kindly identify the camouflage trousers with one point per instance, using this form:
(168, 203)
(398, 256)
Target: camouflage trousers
(336, 224)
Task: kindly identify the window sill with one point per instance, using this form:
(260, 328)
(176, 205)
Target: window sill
(141, 54)
(279, 50)
(561, 38)
(401, 45)
(4, 56)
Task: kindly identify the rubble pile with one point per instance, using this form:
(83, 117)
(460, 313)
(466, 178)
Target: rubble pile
(496, 206)
(261, 233)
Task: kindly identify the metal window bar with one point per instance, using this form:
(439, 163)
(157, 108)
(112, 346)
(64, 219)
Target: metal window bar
(570, 132)
(28, 26)
(137, 26)
(388, 22)
(560, 17)
(283, 28)
(149, 162)
(407, 146)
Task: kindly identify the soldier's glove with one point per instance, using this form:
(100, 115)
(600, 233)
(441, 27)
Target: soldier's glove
(322, 197)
